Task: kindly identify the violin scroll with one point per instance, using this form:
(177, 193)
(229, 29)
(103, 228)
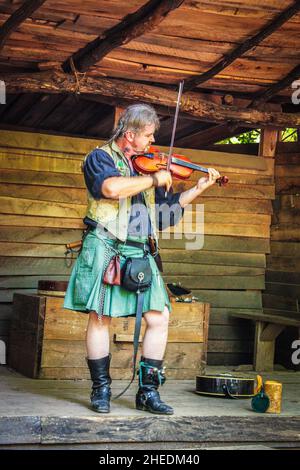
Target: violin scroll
(222, 181)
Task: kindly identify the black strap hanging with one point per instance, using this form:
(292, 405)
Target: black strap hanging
(137, 329)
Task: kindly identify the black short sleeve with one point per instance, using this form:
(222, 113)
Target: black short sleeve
(167, 218)
(97, 167)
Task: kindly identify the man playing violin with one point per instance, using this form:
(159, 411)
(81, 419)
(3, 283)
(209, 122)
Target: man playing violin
(112, 184)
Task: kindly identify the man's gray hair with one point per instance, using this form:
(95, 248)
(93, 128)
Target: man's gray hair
(135, 118)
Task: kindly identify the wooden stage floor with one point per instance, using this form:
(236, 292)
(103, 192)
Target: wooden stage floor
(54, 413)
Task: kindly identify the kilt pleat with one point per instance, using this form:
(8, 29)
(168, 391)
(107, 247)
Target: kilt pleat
(86, 292)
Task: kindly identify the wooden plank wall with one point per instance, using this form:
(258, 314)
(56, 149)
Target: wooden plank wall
(43, 201)
(283, 263)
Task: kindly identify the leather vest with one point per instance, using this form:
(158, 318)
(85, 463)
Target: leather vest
(114, 214)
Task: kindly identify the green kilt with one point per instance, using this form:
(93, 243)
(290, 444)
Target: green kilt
(86, 292)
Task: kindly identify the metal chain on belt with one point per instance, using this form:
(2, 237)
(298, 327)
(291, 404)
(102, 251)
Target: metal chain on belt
(109, 252)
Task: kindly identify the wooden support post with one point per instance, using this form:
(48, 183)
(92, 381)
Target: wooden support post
(265, 334)
(264, 345)
(268, 141)
(271, 331)
(118, 112)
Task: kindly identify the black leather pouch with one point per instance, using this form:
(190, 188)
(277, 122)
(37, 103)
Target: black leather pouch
(137, 274)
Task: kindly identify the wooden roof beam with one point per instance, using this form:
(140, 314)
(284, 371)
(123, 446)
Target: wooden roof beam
(20, 15)
(209, 136)
(249, 44)
(266, 95)
(117, 102)
(216, 133)
(133, 25)
(162, 110)
(223, 131)
(58, 82)
(260, 98)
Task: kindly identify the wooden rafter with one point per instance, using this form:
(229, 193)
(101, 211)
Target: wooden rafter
(136, 24)
(58, 82)
(117, 102)
(222, 131)
(267, 94)
(20, 15)
(161, 110)
(249, 44)
(212, 134)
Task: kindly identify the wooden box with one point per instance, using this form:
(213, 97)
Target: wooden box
(48, 342)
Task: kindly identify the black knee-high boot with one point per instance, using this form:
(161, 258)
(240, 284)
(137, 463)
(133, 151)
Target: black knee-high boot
(151, 375)
(101, 393)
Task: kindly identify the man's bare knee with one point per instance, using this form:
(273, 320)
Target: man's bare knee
(156, 319)
(99, 321)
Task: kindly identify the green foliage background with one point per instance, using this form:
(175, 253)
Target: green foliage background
(253, 137)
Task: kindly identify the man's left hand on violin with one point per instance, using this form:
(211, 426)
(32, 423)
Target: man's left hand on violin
(206, 181)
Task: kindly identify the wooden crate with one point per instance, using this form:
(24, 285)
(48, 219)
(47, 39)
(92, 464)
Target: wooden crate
(47, 341)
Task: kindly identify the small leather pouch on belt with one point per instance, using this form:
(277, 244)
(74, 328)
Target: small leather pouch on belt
(112, 274)
(137, 274)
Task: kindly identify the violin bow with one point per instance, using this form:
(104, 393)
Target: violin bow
(174, 127)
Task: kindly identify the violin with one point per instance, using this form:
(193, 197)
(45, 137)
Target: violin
(181, 167)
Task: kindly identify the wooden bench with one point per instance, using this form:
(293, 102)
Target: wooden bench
(268, 327)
